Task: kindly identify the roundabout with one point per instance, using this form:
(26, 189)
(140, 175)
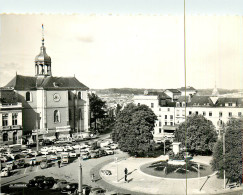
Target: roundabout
(180, 170)
(140, 181)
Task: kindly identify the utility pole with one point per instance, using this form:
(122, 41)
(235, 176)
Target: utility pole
(164, 146)
(224, 155)
(116, 159)
(198, 174)
(37, 133)
(80, 190)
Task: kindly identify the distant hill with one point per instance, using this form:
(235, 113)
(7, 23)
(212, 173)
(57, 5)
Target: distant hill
(138, 91)
(134, 91)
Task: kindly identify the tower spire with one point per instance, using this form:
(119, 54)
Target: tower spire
(43, 35)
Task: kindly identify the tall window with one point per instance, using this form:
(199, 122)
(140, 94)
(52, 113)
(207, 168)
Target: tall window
(14, 118)
(160, 123)
(70, 114)
(5, 119)
(168, 109)
(138, 104)
(171, 123)
(69, 95)
(152, 105)
(28, 96)
(239, 114)
(230, 114)
(196, 112)
(204, 113)
(56, 116)
(159, 130)
(220, 114)
(171, 116)
(5, 137)
(79, 95)
(165, 123)
(80, 114)
(190, 112)
(165, 116)
(210, 113)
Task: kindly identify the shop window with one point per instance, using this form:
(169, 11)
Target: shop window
(5, 137)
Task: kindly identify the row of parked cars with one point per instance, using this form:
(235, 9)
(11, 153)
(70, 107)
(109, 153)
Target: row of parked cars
(62, 186)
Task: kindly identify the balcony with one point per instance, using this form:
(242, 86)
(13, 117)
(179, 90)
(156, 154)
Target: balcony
(168, 127)
(13, 127)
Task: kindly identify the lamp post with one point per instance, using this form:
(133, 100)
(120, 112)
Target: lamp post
(116, 160)
(198, 174)
(80, 190)
(224, 155)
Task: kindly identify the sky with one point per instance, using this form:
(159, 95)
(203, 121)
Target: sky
(138, 44)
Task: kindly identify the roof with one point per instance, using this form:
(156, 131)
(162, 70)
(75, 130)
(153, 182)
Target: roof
(206, 101)
(8, 96)
(20, 82)
(161, 95)
(187, 88)
(173, 90)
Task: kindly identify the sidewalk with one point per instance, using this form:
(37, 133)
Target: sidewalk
(144, 183)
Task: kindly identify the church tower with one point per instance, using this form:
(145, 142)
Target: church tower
(42, 60)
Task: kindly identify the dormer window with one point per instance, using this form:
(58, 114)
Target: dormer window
(177, 104)
(183, 104)
(28, 96)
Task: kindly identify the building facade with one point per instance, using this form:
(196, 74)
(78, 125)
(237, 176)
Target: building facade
(10, 118)
(170, 114)
(57, 106)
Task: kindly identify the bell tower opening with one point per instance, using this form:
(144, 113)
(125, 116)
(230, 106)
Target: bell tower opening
(42, 60)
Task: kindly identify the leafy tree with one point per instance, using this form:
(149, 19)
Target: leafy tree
(201, 135)
(97, 109)
(233, 152)
(133, 129)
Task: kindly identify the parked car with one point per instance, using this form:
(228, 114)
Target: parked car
(59, 185)
(3, 158)
(53, 157)
(98, 191)
(102, 153)
(109, 151)
(36, 180)
(44, 152)
(27, 151)
(76, 147)
(5, 172)
(113, 146)
(106, 172)
(47, 183)
(59, 149)
(72, 154)
(20, 163)
(85, 156)
(64, 160)
(46, 142)
(94, 154)
(70, 188)
(32, 161)
(10, 165)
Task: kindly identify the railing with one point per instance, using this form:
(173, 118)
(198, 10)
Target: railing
(10, 127)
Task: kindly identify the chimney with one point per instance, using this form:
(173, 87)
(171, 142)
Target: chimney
(189, 98)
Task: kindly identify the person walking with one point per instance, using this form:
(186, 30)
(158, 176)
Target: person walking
(59, 163)
(125, 171)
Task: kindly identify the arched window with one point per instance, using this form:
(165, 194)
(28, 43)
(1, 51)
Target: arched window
(56, 116)
(28, 97)
(79, 95)
(80, 114)
(5, 137)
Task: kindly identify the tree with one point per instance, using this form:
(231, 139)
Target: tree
(233, 152)
(133, 129)
(201, 135)
(97, 108)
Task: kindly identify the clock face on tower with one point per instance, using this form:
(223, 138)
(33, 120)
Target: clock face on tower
(56, 97)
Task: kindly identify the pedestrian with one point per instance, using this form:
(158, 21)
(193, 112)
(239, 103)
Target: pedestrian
(125, 171)
(59, 163)
(93, 177)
